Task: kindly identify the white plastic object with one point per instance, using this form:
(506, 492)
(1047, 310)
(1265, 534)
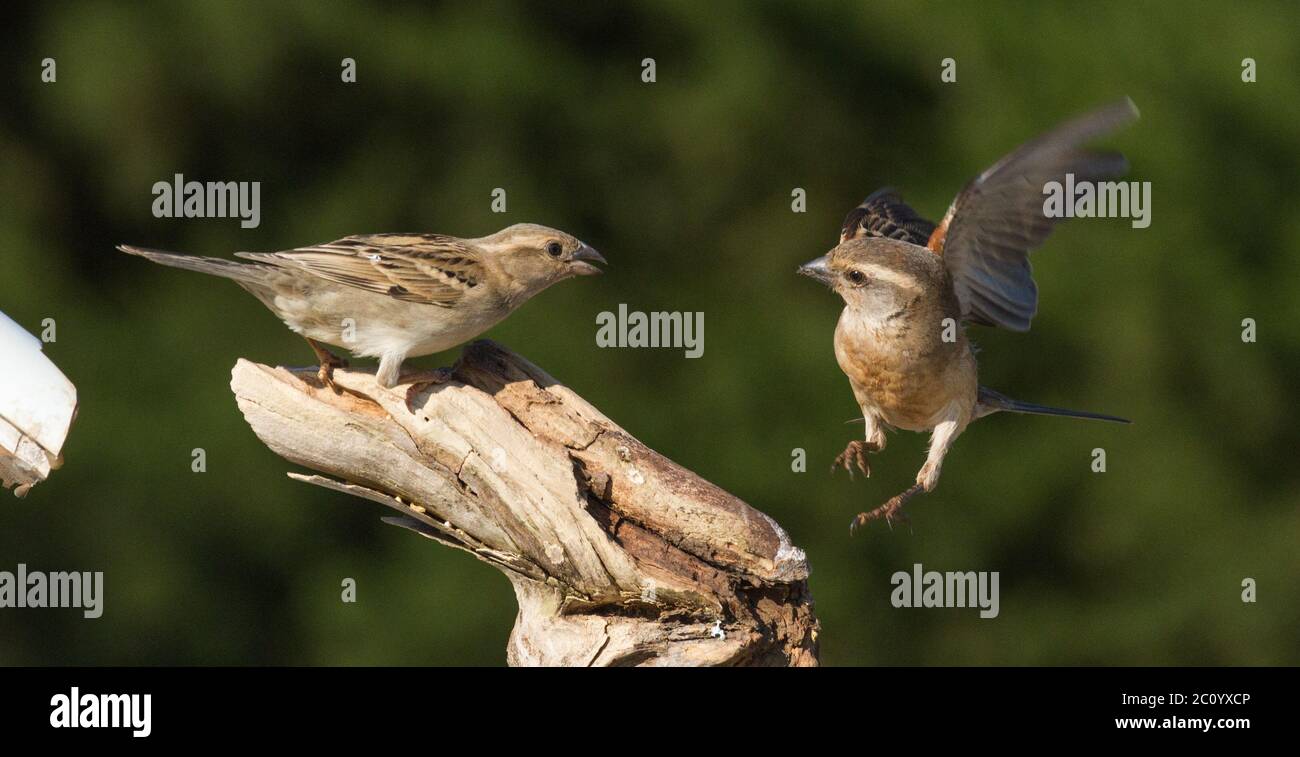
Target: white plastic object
(37, 405)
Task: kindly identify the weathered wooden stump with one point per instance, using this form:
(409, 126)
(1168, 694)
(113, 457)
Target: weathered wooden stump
(618, 556)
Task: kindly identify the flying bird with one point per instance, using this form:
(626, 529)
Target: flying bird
(397, 296)
(909, 286)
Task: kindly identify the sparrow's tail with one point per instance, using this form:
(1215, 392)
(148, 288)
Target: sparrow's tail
(215, 266)
(992, 402)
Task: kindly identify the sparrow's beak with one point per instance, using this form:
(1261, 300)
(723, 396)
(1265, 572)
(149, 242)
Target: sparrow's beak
(819, 269)
(583, 259)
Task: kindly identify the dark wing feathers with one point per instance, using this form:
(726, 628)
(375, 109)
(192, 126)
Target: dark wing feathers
(997, 220)
(428, 268)
(884, 214)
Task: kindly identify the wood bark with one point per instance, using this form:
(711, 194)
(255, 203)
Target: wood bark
(618, 556)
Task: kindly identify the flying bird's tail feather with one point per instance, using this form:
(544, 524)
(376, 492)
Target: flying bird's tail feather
(215, 266)
(992, 402)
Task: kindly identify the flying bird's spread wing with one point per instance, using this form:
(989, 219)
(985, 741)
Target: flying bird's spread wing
(427, 268)
(884, 214)
(995, 222)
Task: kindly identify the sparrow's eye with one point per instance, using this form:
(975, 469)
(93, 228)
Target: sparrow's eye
(856, 277)
(554, 249)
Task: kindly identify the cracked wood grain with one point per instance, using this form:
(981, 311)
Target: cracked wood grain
(618, 556)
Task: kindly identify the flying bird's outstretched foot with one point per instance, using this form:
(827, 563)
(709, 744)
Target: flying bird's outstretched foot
(417, 381)
(891, 512)
(328, 362)
(855, 454)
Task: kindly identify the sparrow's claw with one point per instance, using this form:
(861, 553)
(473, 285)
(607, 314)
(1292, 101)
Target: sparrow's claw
(855, 454)
(328, 362)
(891, 512)
(417, 381)
(326, 371)
(326, 376)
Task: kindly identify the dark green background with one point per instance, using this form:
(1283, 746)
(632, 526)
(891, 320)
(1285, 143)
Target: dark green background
(685, 185)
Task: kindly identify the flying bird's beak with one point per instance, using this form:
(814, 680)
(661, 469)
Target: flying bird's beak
(819, 269)
(583, 259)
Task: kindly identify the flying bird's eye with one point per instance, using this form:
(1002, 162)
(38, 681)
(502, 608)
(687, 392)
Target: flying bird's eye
(856, 277)
(554, 249)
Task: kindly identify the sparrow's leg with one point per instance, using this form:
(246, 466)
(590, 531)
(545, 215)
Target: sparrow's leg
(390, 367)
(940, 442)
(390, 376)
(856, 451)
(328, 361)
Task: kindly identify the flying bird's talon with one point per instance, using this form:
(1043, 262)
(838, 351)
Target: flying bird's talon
(855, 454)
(891, 512)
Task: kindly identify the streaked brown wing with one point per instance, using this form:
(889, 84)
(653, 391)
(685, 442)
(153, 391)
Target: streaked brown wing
(428, 268)
(997, 220)
(884, 214)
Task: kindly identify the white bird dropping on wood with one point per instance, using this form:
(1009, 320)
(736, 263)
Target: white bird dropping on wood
(37, 405)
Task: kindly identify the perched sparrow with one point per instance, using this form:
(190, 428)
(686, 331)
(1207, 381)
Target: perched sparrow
(394, 296)
(902, 277)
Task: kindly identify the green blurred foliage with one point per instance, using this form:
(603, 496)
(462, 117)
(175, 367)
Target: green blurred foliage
(685, 185)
